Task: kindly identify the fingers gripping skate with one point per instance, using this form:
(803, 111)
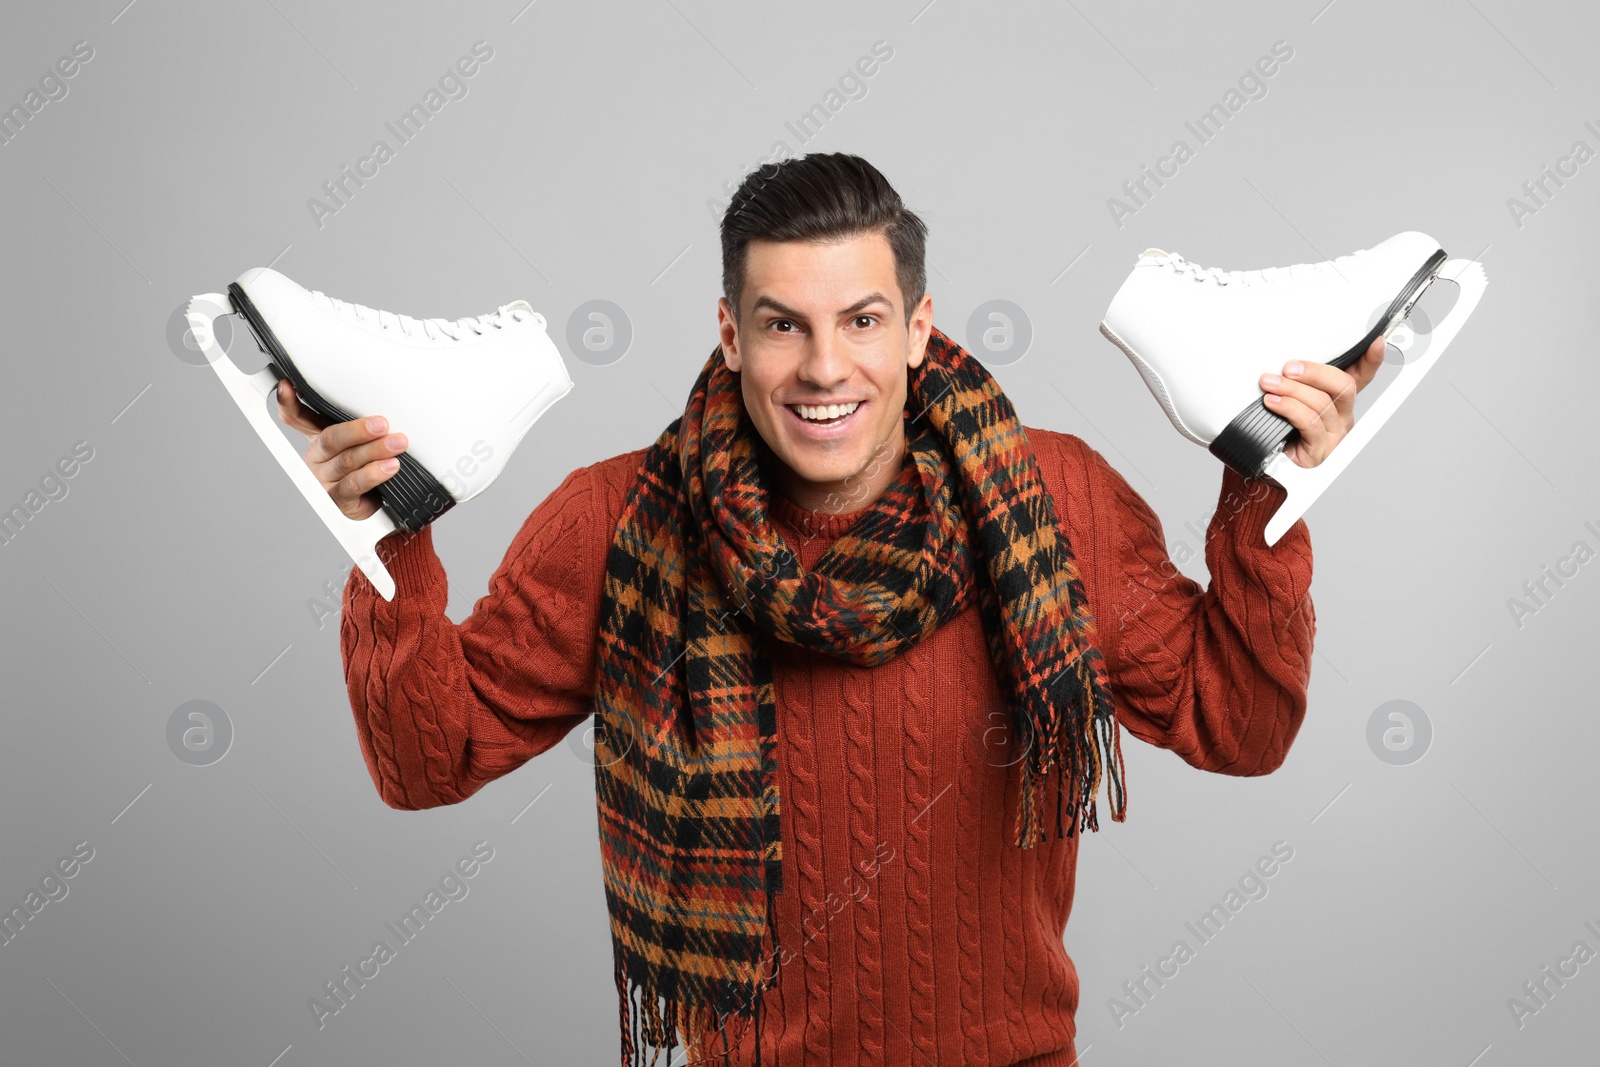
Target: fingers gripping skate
(1251, 440)
(1305, 484)
(251, 392)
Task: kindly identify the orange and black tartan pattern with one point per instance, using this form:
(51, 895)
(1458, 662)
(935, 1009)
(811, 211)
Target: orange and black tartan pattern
(698, 582)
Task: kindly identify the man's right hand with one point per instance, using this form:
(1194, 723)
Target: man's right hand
(350, 459)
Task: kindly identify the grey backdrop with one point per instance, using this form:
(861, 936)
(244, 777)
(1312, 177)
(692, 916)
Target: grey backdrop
(587, 161)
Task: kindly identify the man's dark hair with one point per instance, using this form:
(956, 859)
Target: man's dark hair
(821, 197)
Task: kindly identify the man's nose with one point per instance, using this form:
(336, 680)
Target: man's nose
(826, 361)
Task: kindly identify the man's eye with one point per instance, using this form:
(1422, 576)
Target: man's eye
(777, 322)
(869, 319)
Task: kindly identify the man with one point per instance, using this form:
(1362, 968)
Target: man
(851, 635)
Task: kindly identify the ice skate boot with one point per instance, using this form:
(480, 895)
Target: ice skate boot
(463, 391)
(1201, 337)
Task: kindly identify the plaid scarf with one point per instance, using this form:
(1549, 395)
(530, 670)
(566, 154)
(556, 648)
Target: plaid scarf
(698, 581)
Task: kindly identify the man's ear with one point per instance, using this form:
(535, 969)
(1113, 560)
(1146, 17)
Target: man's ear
(728, 331)
(919, 330)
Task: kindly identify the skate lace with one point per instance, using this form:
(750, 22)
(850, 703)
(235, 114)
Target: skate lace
(1248, 277)
(454, 329)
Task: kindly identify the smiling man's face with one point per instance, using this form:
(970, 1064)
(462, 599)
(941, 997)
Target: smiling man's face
(822, 325)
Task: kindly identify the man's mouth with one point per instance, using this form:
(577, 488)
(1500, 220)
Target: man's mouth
(825, 414)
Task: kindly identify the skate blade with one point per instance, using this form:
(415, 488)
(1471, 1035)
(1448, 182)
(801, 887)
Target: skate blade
(250, 392)
(1305, 484)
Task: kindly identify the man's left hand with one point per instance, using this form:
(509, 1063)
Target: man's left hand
(1320, 401)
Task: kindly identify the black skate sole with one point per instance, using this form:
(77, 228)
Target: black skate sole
(411, 496)
(1256, 434)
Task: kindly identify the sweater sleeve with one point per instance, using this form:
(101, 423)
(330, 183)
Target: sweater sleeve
(442, 709)
(1218, 675)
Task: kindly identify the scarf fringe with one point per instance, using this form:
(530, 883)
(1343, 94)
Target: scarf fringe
(653, 1025)
(1057, 748)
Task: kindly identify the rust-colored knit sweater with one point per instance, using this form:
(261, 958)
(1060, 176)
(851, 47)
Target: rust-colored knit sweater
(920, 933)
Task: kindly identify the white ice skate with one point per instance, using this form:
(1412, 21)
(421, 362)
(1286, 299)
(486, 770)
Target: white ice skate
(463, 391)
(1202, 337)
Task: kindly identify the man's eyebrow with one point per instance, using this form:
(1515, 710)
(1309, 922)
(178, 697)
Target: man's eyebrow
(783, 309)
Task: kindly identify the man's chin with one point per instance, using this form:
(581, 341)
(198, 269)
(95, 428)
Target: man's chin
(828, 473)
(823, 473)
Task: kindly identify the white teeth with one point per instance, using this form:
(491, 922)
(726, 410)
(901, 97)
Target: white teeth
(826, 411)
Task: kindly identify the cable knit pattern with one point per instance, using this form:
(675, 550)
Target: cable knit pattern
(819, 987)
(970, 911)
(917, 756)
(857, 724)
(954, 954)
(1050, 986)
(803, 958)
(1013, 874)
